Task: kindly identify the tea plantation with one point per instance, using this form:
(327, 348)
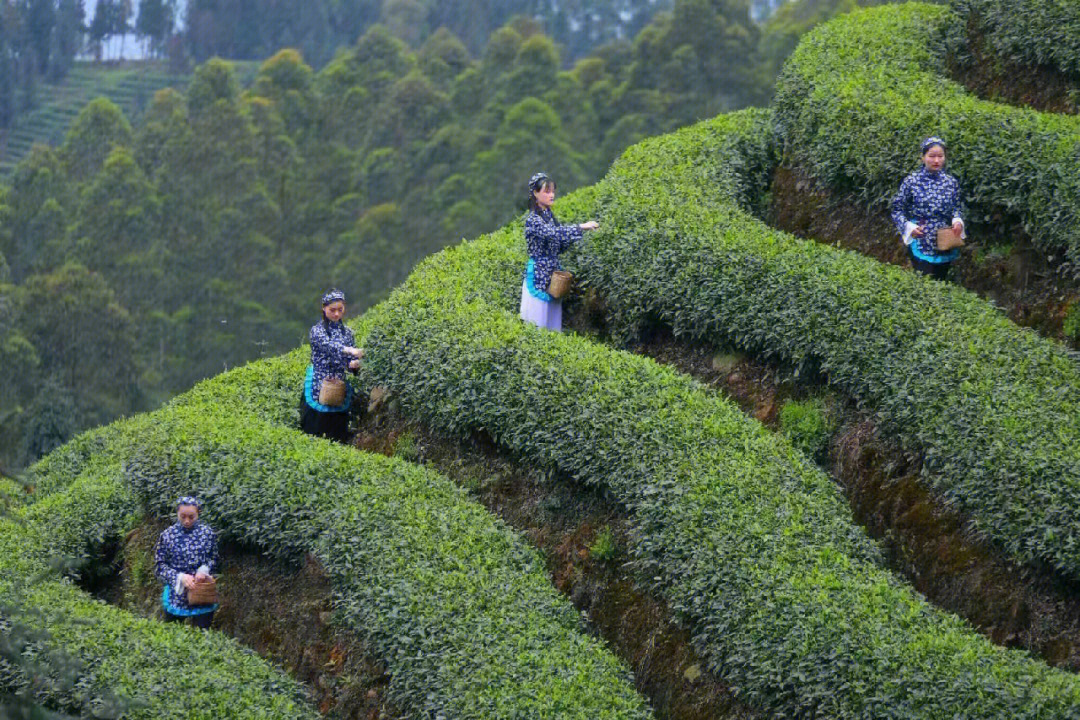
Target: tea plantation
(130, 86)
(753, 546)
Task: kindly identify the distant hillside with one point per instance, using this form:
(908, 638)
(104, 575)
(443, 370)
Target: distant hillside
(130, 85)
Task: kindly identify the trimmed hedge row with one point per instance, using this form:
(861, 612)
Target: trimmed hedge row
(992, 408)
(1028, 32)
(747, 540)
(861, 92)
(94, 659)
(457, 605)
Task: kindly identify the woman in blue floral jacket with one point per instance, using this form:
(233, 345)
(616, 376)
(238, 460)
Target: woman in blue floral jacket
(545, 239)
(333, 353)
(929, 200)
(185, 554)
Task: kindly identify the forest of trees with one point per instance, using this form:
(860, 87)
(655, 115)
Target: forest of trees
(253, 29)
(136, 261)
(40, 39)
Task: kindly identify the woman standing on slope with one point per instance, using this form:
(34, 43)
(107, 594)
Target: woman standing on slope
(928, 201)
(324, 407)
(186, 554)
(545, 238)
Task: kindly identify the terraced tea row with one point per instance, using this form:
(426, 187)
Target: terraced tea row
(96, 658)
(744, 537)
(457, 605)
(991, 407)
(853, 104)
(1027, 32)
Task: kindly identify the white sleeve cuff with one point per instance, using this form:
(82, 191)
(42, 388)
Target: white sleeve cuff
(908, 228)
(178, 586)
(963, 228)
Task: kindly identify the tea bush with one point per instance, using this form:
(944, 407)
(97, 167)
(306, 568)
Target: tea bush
(1028, 32)
(991, 407)
(457, 605)
(806, 425)
(751, 544)
(92, 659)
(854, 101)
(1071, 325)
(604, 548)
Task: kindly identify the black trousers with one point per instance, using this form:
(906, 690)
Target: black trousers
(200, 621)
(334, 426)
(938, 271)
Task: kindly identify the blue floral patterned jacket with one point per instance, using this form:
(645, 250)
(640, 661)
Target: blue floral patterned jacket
(930, 199)
(184, 551)
(545, 238)
(328, 358)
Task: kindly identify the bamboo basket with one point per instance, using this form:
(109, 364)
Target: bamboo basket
(332, 392)
(203, 592)
(560, 283)
(947, 240)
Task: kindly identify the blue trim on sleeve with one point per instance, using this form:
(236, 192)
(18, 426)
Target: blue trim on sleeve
(166, 602)
(530, 283)
(314, 404)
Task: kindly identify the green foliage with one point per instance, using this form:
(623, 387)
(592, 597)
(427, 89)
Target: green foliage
(82, 656)
(604, 548)
(853, 104)
(82, 339)
(219, 220)
(749, 542)
(1028, 32)
(990, 406)
(49, 420)
(806, 425)
(215, 80)
(12, 494)
(1071, 326)
(457, 605)
(405, 447)
(98, 130)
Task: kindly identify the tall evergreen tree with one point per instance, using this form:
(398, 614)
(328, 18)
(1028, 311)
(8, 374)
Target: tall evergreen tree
(40, 21)
(154, 23)
(101, 26)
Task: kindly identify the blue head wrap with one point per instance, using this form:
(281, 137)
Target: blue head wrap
(538, 180)
(189, 500)
(333, 296)
(931, 142)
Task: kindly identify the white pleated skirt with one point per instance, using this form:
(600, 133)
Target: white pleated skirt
(540, 313)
